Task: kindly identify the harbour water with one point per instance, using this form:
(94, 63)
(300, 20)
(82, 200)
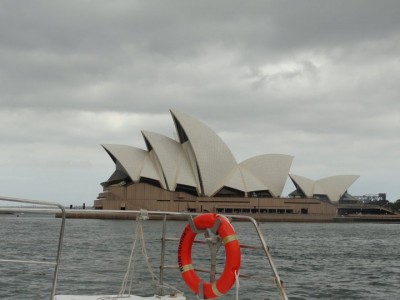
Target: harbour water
(315, 260)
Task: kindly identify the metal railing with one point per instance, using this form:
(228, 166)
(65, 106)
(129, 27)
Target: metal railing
(264, 247)
(156, 214)
(57, 261)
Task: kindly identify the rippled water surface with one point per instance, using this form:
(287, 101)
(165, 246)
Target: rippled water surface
(315, 260)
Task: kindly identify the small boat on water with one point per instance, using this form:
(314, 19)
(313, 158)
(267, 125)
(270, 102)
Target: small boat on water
(217, 232)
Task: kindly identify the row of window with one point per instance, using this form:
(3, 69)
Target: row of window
(227, 210)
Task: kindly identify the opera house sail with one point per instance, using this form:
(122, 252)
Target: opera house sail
(198, 172)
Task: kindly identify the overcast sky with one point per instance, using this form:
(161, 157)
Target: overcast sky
(319, 80)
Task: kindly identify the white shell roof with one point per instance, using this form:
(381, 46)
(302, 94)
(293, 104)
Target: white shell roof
(333, 187)
(214, 159)
(336, 186)
(131, 158)
(305, 184)
(191, 161)
(173, 162)
(235, 180)
(270, 169)
(150, 170)
(251, 182)
(202, 160)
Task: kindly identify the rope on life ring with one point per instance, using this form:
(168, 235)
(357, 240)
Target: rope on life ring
(232, 256)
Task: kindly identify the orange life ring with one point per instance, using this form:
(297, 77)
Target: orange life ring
(232, 256)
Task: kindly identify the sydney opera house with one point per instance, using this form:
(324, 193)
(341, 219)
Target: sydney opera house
(197, 172)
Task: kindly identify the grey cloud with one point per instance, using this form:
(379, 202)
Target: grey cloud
(313, 79)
